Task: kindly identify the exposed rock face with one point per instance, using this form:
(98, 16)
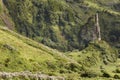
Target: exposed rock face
(30, 75)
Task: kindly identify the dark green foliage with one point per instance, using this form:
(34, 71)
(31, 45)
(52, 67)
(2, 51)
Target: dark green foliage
(89, 74)
(66, 24)
(117, 71)
(106, 75)
(38, 19)
(116, 76)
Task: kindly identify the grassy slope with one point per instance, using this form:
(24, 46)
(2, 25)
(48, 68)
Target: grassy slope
(98, 58)
(20, 54)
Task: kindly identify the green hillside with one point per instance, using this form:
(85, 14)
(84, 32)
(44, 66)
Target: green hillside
(67, 26)
(58, 24)
(22, 54)
(98, 59)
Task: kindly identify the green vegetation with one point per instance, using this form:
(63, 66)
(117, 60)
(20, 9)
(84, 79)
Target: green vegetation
(65, 25)
(20, 54)
(58, 24)
(5, 19)
(1, 22)
(95, 54)
(98, 59)
(0, 6)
